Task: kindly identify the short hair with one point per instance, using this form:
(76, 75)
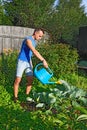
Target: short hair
(38, 29)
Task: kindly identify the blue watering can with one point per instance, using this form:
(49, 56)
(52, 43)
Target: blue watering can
(43, 74)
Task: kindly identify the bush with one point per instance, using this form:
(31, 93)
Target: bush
(8, 67)
(61, 58)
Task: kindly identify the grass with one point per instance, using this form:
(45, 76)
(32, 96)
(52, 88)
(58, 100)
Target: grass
(14, 117)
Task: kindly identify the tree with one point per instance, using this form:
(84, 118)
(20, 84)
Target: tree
(1, 12)
(62, 22)
(30, 13)
(4, 20)
(65, 21)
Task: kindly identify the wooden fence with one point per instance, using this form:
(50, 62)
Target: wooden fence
(11, 37)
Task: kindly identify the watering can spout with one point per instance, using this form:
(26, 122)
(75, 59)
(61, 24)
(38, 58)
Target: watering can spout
(58, 82)
(49, 82)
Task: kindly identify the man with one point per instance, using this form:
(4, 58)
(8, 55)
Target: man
(25, 61)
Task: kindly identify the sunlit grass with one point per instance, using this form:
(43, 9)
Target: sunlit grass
(13, 116)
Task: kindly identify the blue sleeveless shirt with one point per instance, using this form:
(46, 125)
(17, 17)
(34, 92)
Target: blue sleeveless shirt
(25, 53)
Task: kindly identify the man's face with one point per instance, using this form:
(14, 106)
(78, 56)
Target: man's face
(38, 35)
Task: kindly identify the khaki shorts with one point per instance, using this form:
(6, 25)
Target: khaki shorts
(23, 66)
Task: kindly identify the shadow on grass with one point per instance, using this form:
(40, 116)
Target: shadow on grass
(17, 119)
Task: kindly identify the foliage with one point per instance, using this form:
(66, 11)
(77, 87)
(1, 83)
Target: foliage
(65, 20)
(62, 60)
(8, 66)
(4, 20)
(82, 117)
(14, 117)
(62, 22)
(62, 56)
(68, 112)
(70, 96)
(0, 13)
(61, 91)
(31, 13)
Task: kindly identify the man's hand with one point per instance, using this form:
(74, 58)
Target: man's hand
(45, 63)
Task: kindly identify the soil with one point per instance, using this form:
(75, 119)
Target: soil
(31, 106)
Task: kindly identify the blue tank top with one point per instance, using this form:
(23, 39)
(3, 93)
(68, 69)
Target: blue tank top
(25, 53)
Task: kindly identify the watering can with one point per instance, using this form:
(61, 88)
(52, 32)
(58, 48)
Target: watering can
(43, 74)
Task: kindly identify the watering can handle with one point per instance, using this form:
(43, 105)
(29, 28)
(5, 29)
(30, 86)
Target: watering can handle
(41, 64)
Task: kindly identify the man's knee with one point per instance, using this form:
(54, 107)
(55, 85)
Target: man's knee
(17, 80)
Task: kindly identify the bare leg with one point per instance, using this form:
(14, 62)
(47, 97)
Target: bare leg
(16, 86)
(29, 84)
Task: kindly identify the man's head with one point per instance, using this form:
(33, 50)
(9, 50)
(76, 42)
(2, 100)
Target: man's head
(38, 34)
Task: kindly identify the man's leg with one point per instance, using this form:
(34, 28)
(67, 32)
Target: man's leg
(29, 84)
(19, 72)
(16, 86)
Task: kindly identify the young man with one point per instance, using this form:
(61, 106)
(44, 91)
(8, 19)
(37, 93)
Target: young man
(25, 62)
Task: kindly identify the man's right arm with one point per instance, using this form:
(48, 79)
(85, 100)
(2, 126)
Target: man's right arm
(36, 53)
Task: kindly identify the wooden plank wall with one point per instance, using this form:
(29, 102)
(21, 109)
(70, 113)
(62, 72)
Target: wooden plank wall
(11, 36)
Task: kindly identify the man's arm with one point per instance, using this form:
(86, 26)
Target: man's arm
(36, 53)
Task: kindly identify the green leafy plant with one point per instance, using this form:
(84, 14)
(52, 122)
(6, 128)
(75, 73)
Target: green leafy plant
(82, 117)
(57, 106)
